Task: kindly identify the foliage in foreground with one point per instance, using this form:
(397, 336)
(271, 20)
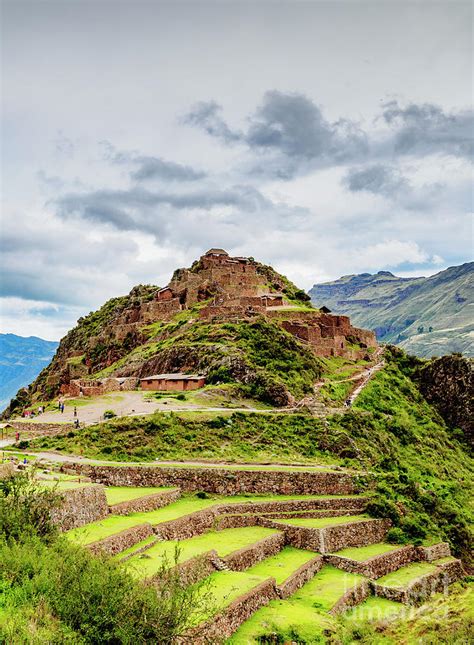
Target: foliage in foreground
(52, 591)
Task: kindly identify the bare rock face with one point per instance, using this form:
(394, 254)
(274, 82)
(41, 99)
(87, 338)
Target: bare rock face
(448, 383)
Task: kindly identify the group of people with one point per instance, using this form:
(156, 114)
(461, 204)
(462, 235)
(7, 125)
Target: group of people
(31, 413)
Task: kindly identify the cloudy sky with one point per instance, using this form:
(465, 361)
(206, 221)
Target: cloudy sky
(325, 138)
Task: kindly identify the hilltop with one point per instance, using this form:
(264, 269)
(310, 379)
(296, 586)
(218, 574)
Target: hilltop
(233, 320)
(21, 360)
(426, 316)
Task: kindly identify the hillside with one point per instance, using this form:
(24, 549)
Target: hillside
(21, 360)
(426, 316)
(233, 320)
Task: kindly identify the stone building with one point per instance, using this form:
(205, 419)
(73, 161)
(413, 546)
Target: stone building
(172, 382)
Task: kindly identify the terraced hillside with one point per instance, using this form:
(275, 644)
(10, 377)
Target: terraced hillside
(426, 316)
(273, 565)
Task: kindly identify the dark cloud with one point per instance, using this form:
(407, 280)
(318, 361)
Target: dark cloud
(206, 115)
(137, 208)
(377, 179)
(292, 135)
(150, 167)
(427, 129)
(289, 125)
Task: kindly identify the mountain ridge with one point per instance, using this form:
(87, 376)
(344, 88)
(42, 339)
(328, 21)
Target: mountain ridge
(21, 360)
(427, 316)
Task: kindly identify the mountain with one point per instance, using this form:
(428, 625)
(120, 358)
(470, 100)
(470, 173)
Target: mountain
(233, 320)
(426, 316)
(21, 360)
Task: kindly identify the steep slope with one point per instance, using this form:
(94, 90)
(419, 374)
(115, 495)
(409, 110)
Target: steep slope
(426, 316)
(233, 320)
(21, 360)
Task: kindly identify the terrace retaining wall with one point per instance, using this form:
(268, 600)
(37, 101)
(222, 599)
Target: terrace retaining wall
(378, 565)
(284, 506)
(187, 526)
(434, 552)
(121, 541)
(351, 598)
(220, 480)
(80, 506)
(250, 555)
(146, 503)
(230, 619)
(192, 570)
(417, 591)
(300, 577)
(332, 538)
(453, 569)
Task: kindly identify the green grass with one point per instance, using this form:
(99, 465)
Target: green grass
(225, 587)
(323, 522)
(118, 494)
(374, 608)
(448, 558)
(362, 553)
(404, 576)
(224, 542)
(187, 504)
(63, 485)
(283, 564)
(302, 617)
(149, 540)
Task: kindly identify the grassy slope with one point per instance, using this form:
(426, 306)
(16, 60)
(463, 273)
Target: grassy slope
(423, 472)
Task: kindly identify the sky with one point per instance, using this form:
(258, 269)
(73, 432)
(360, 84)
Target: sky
(324, 138)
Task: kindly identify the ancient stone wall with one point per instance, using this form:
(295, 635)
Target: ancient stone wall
(80, 506)
(230, 619)
(300, 577)
(220, 480)
(331, 538)
(434, 552)
(250, 555)
(146, 503)
(39, 427)
(377, 566)
(360, 533)
(417, 591)
(187, 526)
(121, 541)
(351, 598)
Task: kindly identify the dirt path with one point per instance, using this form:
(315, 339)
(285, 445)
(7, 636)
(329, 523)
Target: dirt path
(124, 404)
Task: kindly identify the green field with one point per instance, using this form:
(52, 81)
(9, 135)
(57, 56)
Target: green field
(362, 553)
(224, 542)
(118, 494)
(404, 576)
(283, 564)
(323, 522)
(301, 617)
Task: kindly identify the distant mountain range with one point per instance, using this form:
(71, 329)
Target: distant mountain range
(21, 360)
(426, 316)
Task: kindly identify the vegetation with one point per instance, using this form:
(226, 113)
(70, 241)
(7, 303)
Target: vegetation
(56, 592)
(423, 471)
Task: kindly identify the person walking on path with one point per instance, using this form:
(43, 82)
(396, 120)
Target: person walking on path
(75, 411)
(62, 408)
